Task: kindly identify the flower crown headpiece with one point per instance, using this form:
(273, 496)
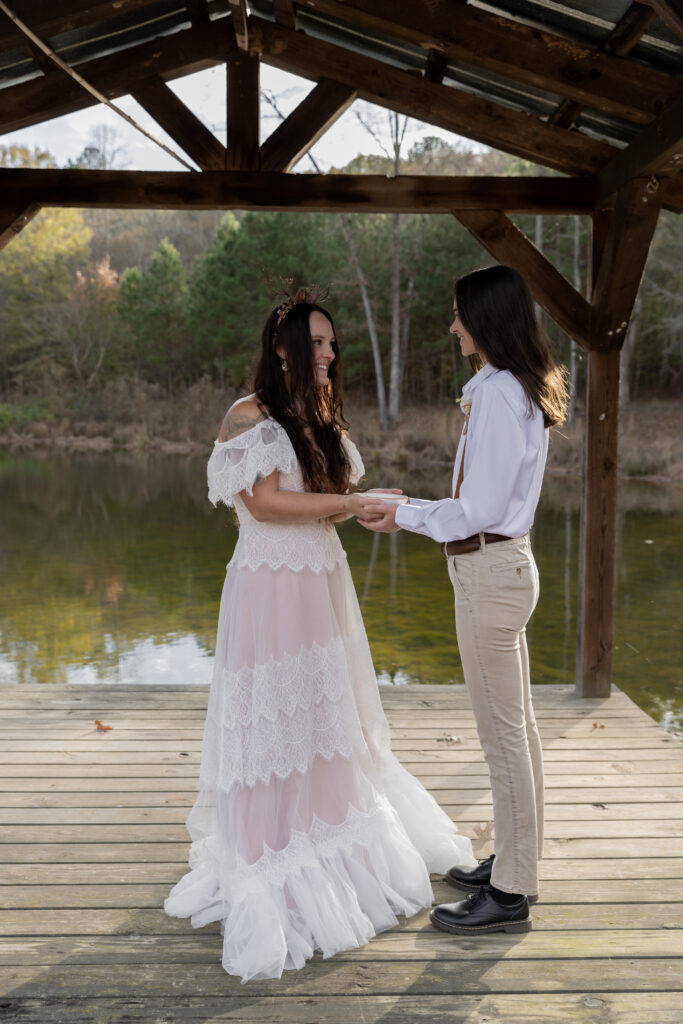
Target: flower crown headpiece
(289, 299)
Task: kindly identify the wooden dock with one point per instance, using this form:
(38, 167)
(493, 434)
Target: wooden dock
(93, 837)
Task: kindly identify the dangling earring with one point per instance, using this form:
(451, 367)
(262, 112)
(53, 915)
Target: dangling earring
(284, 366)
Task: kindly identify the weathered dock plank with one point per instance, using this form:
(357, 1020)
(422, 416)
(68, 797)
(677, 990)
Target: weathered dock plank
(93, 836)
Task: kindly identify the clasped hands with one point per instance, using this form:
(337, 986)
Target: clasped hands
(373, 513)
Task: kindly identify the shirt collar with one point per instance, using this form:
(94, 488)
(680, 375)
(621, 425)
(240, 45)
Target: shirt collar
(479, 377)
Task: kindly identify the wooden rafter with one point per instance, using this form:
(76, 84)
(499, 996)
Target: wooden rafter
(305, 125)
(656, 151)
(550, 288)
(454, 110)
(243, 106)
(323, 192)
(620, 41)
(238, 9)
(52, 19)
(625, 250)
(181, 124)
(284, 13)
(671, 13)
(507, 47)
(181, 53)
(199, 12)
(13, 218)
(64, 68)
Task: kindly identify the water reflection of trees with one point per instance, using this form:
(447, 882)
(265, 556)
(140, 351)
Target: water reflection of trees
(102, 554)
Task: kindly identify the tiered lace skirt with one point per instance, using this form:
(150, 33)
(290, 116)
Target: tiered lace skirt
(307, 833)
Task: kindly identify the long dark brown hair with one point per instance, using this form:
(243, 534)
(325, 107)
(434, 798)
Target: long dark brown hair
(496, 308)
(313, 416)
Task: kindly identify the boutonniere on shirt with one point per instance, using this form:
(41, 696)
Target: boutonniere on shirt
(465, 408)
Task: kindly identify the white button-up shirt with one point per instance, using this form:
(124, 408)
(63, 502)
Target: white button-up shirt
(507, 445)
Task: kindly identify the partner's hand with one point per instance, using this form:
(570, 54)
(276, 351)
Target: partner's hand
(364, 505)
(385, 523)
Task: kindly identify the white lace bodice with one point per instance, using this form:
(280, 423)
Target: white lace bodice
(242, 462)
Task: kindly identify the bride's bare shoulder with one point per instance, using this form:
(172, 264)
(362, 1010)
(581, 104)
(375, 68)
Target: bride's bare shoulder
(242, 416)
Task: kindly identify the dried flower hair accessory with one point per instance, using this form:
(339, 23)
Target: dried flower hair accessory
(282, 289)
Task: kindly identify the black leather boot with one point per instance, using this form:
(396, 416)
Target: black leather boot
(479, 913)
(470, 881)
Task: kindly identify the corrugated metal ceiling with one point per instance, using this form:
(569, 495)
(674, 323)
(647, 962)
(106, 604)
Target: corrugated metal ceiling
(583, 21)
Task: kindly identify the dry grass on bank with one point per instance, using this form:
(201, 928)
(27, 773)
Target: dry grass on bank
(650, 435)
(134, 416)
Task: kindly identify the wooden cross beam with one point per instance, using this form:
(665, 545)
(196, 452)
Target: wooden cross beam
(305, 125)
(181, 124)
(331, 193)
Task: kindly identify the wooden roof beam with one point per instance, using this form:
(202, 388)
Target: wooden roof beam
(550, 288)
(114, 75)
(243, 106)
(453, 109)
(305, 125)
(507, 47)
(198, 11)
(671, 13)
(284, 13)
(182, 125)
(621, 40)
(656, 151)
(49, 20)
(332, 193)
(14, 216)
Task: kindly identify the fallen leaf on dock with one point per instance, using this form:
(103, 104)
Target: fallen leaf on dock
(101, 727)
(597, 725)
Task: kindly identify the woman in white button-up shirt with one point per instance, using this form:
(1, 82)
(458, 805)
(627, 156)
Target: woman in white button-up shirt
(509, 404)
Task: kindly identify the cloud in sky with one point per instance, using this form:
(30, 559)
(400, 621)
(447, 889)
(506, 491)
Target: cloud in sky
(204, 93)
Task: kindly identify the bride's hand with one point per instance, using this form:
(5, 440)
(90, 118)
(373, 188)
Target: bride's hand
(364, 505)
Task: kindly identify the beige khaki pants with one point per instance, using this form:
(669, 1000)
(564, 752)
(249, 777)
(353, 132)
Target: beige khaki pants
(496, 590)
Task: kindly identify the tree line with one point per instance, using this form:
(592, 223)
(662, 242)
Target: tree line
(168, 297)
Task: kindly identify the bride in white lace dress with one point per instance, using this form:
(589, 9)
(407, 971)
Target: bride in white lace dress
(307, 833)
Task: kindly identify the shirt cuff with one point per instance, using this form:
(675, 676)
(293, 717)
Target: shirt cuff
(409, 517)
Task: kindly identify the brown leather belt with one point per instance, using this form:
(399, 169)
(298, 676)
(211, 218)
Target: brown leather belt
(461, 547)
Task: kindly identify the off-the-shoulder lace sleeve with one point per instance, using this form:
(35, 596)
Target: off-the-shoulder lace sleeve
(357, 467)
(247, 459)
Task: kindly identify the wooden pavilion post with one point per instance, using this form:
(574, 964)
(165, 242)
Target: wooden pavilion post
(621, 241)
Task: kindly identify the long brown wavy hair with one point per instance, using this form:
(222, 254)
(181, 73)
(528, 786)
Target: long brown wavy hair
(496, 307)
(313, 416)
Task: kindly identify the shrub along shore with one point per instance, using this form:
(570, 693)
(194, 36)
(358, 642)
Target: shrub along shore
(132, 416)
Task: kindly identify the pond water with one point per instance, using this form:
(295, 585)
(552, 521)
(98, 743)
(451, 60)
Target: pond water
(112, 569)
